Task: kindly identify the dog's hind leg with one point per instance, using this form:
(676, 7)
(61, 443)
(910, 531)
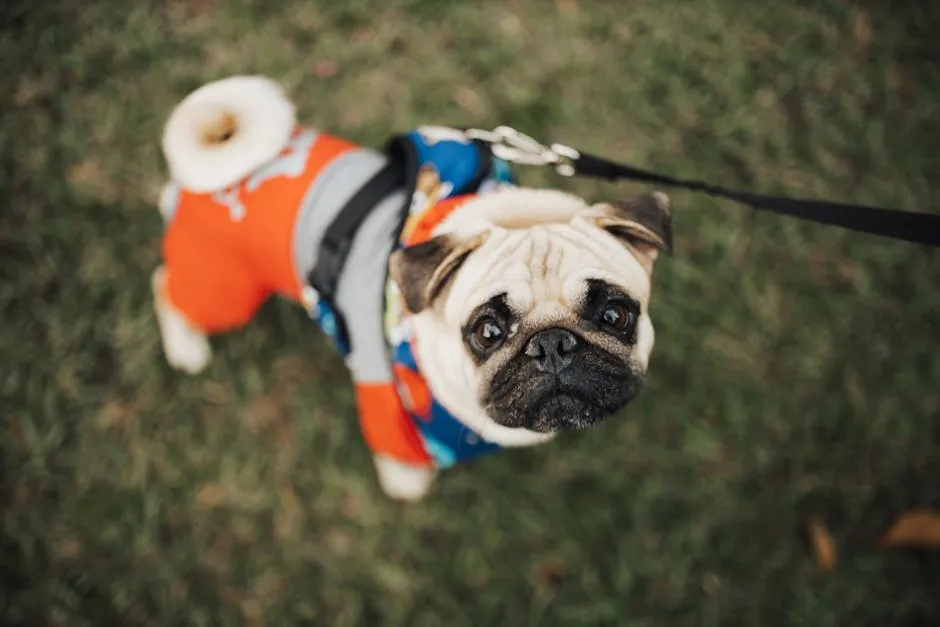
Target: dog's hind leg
(186, 348)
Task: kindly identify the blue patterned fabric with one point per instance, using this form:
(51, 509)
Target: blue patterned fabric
(456, 162)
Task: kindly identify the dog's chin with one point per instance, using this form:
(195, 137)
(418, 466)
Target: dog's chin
(560, 411)
(549, 406)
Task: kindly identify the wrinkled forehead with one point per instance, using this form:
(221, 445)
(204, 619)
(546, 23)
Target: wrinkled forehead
(543, 265)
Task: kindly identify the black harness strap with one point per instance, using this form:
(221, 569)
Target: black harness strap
(399, 173)
(911, 226)
(341, 233)
(339, 236)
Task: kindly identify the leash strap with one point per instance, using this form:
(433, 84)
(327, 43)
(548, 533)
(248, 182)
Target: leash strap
(910, 226)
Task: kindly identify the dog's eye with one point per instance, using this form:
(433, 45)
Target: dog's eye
(487, 333)
(617, 317)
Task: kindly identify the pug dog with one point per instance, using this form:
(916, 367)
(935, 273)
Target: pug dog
(481, 316)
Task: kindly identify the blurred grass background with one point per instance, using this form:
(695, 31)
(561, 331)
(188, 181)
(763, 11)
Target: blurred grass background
(795, 375)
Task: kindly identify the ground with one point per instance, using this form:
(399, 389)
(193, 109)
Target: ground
(795, 375)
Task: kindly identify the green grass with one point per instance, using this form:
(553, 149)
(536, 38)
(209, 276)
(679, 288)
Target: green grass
(795, 374)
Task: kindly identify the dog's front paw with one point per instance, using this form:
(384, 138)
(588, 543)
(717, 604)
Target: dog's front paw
(401, 481)
(187, 351)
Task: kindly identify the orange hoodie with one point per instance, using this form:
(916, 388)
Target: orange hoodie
(227, 252)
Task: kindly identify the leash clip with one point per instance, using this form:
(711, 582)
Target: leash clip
(509, 144)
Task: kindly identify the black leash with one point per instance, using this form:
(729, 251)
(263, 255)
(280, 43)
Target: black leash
(916, 227)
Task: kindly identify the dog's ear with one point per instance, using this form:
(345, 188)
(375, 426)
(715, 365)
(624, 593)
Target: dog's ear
(644, 223)
(422, 271)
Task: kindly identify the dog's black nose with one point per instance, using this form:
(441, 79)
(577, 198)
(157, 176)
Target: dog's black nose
(552, 349)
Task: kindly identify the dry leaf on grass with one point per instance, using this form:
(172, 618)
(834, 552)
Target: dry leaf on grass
(213, 495)
(861, 32)
(468, 99)
(115, 414)
(217, 392)
(824, 547)
(93, 177)
(289, 517)
(325, 69)
(711, 584)
(30, 90)
(339, 541)
(916, 528)
(67, 548)
(188, 9)
(511, 24)
(551, 573)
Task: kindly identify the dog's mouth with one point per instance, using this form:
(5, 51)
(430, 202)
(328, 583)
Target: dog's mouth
(562, 409)
(549, 404)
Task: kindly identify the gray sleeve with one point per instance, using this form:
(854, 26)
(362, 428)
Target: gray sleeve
(360, 293)
(362, 289)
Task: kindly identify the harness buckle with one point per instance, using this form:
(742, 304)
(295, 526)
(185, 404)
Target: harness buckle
(512, 145)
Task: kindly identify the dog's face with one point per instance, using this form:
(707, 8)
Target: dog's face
(530, 307)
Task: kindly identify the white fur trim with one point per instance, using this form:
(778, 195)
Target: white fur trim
(265, 119)
(169, 200)
(401, 481)
(185, 347)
